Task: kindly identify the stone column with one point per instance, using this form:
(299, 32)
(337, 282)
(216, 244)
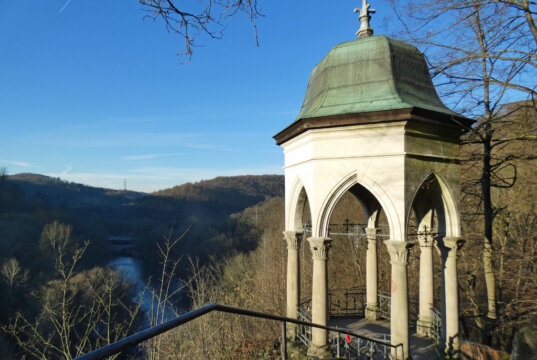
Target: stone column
(372, 310)
(319, 298)
(449, 246)
(399, 297)
(425, 320)
(293, 239)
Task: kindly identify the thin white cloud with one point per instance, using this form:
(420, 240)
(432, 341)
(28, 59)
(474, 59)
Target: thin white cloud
(140, 157)
(67, 169)
(65, 5)
(114, 140)
(105, 123)
(148, 156)
(15, 163)
(210, 147)
(77, 139)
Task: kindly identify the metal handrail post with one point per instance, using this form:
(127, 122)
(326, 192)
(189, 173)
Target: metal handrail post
(147, 334)
(338, 345)
(284, 340)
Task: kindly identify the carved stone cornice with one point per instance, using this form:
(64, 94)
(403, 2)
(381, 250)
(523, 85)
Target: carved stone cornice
(293, 238)
(320, 247)
(426, 238)
(398, 251)
(449, 245)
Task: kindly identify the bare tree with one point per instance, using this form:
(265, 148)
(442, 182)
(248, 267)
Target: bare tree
(165, 290)
(206, 17)
(14, 276)
(80, 311)
(482, 54)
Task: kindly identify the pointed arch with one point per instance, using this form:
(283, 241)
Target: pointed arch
(296, 205)
(449, 211)
(373, 193)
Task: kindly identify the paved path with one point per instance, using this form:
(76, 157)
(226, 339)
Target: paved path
(421, 348)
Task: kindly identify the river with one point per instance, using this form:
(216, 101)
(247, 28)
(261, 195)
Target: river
(132, 270)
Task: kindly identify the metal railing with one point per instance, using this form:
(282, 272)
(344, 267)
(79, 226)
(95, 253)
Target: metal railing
(350, 229)
(347, 302)
(436, 324)
(303, 333)
(135, 339)
(342, 302)
(358, 348)
(352, 302)
(385, 303)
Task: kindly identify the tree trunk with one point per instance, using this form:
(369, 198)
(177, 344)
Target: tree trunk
(488, 218)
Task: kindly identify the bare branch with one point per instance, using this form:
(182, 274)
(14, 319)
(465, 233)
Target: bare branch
(208, 17)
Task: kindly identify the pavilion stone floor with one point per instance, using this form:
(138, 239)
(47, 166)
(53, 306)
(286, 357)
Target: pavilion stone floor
(421, 348)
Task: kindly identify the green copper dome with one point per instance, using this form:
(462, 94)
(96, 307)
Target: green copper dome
(370, 74)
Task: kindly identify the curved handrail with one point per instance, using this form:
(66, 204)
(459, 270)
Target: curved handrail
(147, 334)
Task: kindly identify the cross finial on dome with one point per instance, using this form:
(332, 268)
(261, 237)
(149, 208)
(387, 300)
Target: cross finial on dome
(364, 30)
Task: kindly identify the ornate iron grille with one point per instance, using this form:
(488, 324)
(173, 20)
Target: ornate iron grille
(347, 302)
(436, 325)
(385, 302)
(304, 332)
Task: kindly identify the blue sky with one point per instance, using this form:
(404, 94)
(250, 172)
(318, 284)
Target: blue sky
(93, 93)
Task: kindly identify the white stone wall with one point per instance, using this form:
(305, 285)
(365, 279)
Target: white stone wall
(327, 162)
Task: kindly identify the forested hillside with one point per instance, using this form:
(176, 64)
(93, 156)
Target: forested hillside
(256, 280)
(54, 235)
(232, 249)
(238, 190)
(53, 266)
(500, 274)
(204, 208)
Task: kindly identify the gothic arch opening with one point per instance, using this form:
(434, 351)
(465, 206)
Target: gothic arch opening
(428, 211)
(426, 216)
(303, 213)
(346, 264)
(298, 214)
(355, 213)
(432, 216)
(300, 217)
(373, 198)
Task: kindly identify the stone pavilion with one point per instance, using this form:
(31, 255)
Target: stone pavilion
(372, 124)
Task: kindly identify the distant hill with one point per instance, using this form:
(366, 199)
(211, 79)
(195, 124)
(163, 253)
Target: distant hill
(123, 212)
(59, 193)
(228, 194)
(206, 208)
(34, 178)
(29, 201)
(98, 212)
(238, 192)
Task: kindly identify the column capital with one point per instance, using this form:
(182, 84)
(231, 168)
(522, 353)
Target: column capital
(398, 251)
(426, 238)
(293, 238)
(320, 247)
(449, 245)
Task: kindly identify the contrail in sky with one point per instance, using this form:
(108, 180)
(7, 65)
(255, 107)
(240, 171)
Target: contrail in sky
(68, 168)
(64, 6)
